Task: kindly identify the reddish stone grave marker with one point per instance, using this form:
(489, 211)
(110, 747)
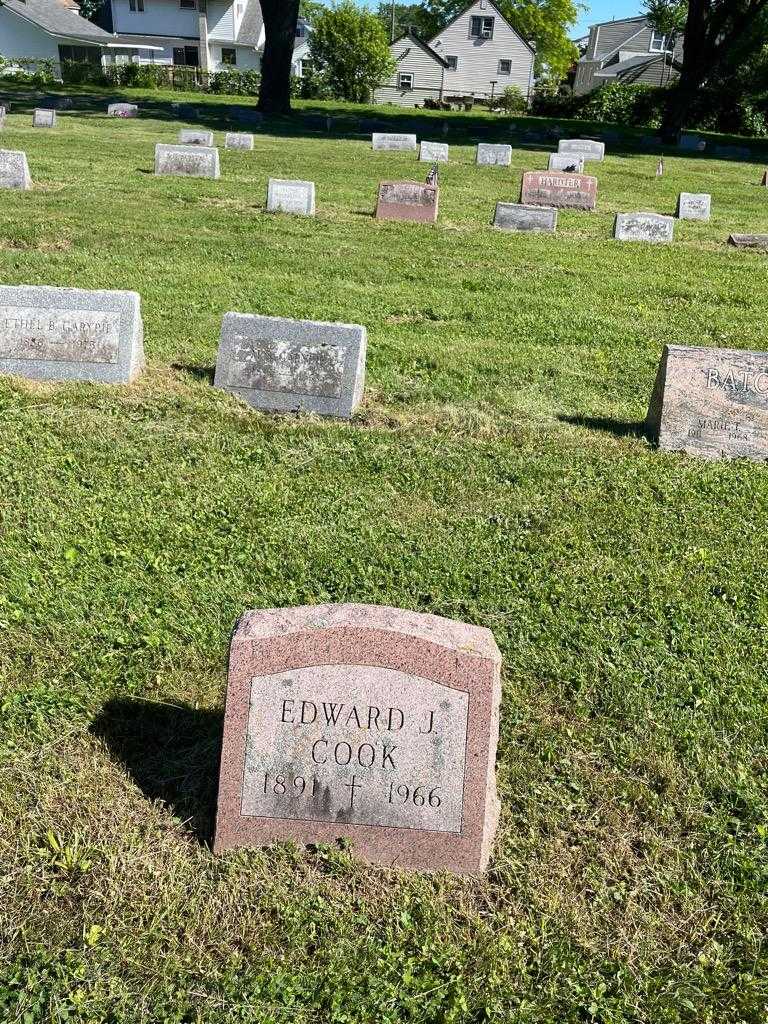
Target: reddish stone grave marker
(372, 724)
(408, 200)
(560, 189)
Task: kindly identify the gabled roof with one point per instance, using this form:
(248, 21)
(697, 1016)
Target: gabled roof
(58, 19)
(424, 46)
(251, 26)
(618, 21)
(490, 3)
(642, 60)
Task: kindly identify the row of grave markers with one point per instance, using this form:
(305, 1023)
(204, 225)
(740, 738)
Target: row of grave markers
(706, 401)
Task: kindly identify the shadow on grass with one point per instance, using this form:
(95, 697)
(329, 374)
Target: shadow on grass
(620, 428)
(171, 751)
(201, 373)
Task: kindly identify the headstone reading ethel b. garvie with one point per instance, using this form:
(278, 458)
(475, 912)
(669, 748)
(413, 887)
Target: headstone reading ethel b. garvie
(371, 724)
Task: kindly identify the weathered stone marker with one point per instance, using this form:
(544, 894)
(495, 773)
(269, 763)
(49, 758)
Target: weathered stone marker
(195, 137)
(187, 161)
(282, 365)
(491, 154)
(14, 170)
(559, 189)
(408, 200)
(70, 334)
(238, 140)
(372, 724)
(643, 227)
(693, 206)
(749, 241)
(711, 402)
(587, 149)
(566, 162)
(291, 197)
(44, 118)
(517, 217)
(122, 110)
(433, 152)
(385, 140)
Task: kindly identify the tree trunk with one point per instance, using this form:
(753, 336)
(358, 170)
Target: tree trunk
(694, 71)
(280, 20)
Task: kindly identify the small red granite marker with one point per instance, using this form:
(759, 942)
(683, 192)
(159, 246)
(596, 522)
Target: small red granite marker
(408, 200)
(372, 724)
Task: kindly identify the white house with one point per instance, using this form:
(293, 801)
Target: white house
(49, 30)
(478, 54)
(209, 34)
(301, 48)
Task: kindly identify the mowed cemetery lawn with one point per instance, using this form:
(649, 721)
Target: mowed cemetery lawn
(496, 473)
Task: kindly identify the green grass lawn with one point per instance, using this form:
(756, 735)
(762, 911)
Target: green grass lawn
(496, 473)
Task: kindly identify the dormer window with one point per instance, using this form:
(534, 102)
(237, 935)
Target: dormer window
(481, 28)
(658, 39)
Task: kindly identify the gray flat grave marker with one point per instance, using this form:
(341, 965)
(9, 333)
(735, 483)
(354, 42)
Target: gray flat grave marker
(282, 365)
(44, 118)
(122, 110)
(711, 402)
(588, 149)
(195, 137)
(643, 227)
(238, 140)
(566, 162)
(493, 155)
(519, 217)
(749, 241)
(433, 152)
(375, 724)
(285, 196)
(390, 141)
(70, 334)
(14, 170)
(693, 206)
(186, 161)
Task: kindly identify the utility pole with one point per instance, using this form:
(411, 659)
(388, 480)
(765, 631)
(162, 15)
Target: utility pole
(392, 29)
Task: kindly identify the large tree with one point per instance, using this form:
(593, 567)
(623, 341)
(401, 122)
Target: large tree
(415, 17)
(350, 49)
(280, 19)
(545, 23)
(714, 31)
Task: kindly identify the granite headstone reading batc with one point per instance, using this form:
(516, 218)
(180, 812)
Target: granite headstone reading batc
(408, 200)
(291, 197)
(711, 402)
(385, 140)
(588, 149)
(693, 206)
(14, 170)
(643, 227)
(517, 217)
(560, 189)
(195, 137)
(371, 724)
(187, 161)
(566, 162)
(433, 152)
(282, 365)
(44, 118)
(70, 334)
(494, 155)
(238, 140)
(122, 110)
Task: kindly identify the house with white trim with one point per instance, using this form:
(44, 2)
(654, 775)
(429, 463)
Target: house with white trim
(478, 54)
(49, 30)
(629, 50)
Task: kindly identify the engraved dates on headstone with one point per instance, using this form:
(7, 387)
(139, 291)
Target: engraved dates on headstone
(711, 402)
(559, 189)
(693, 205)
(372, 724)
(386, 140)
(643, 227)
(282, 365)
(187, 161)
(588, 149)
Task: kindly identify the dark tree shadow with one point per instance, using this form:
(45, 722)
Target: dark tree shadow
(172, 753)
(201, 373)
(620, 428)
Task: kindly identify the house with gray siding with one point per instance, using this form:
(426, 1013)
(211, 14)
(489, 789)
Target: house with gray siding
(629, 50)
(478, 55)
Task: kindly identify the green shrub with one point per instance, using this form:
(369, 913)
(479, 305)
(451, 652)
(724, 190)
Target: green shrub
(512, 100)
(234, 83)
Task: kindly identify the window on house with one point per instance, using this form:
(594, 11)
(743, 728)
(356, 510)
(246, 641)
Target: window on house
(453, 63)
(188, 5)
(481, 28)
(229, 55)
(186, 56)
(136, 5)
(658, 40)
(505, 67)
(404, 81)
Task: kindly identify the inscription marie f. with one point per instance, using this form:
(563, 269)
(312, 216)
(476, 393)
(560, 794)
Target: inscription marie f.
(88, 335)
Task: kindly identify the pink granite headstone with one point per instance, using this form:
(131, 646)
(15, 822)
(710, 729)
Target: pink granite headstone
(561, 189)
(408, 200)
(371, 724)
